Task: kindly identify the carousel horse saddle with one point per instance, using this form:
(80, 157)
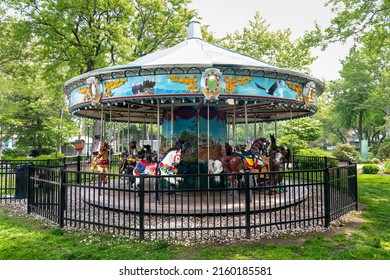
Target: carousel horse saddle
(144, 165)
(102, 162)
(251, 162)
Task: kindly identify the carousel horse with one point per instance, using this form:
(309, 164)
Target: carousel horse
(167, 166)
(147, 154)
(260, 146)
(215, 167)
(101, 162)
(126, 163)
(278, 157)
(254, 159)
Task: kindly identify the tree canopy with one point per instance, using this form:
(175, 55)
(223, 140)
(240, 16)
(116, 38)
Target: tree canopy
(273, 47)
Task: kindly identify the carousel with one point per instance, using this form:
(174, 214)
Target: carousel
(194, 94)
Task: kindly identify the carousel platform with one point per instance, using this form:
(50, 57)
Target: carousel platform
(192, 202)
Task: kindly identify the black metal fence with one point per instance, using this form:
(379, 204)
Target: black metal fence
(159, 209)
(13, 173)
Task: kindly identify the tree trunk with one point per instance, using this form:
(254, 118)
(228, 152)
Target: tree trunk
(360, 130)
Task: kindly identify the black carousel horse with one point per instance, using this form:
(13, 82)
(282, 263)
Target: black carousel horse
(278, 157)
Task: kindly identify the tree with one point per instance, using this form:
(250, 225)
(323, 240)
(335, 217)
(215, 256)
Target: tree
(84, 35)
(13, 53)
(352, 92)
(333, 131)
(75, 36)
(362, 20)
(35, 114)
(275, 48)
(298, 133)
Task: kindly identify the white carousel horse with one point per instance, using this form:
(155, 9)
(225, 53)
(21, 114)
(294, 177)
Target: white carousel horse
(166, 167)
(215, 167)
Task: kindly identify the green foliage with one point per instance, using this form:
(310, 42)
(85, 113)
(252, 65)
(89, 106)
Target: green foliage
(383, 150)
(314, 152)
(54, 155)
(366, 71)
(345, 152)
(308, 129)
(370, 169)
(292, 142)
(386, 165)
(360, 19)
(298, 133)
(52, 41)
(274, 47)
(12, 153)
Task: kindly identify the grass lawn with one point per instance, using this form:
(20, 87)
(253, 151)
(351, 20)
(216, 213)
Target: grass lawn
(362, 235)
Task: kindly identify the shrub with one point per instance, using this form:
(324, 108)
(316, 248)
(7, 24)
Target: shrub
(386, 165)
(345, 152)
(376, 161)
(12, 153)
(315, 160)
(383, 150)
(370, 169)
(314, 152)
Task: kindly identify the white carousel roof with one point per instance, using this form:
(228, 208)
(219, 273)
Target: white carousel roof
(194, 52)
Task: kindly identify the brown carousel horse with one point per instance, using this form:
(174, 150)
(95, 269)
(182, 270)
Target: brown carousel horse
(101, 161)
(252, 159)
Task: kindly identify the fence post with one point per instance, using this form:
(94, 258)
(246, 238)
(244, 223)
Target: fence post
(29, 187)
(247, 204)
(326, 162)
(327, 197)
(142, 208)
(78, 178)
(355, 184)
(61, 198)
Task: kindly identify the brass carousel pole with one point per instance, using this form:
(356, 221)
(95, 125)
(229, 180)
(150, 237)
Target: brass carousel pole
(172, 124)
(128, 128)
(158, 129)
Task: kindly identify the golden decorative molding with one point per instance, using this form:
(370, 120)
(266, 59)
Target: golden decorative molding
(297, 88)
(112, 85)
(231, 83)
(191, 81)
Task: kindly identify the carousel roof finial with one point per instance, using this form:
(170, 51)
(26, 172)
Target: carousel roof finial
(194, 30)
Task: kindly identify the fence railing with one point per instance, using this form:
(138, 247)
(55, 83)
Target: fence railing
(245, 205)
(214, 209)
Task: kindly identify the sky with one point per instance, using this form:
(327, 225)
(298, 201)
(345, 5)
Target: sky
(227, 16)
